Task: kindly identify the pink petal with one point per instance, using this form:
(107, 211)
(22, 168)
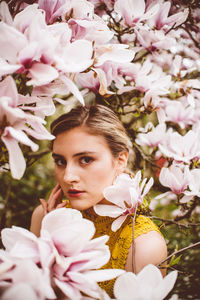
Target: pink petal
(8, 88)
(68, 289)
(6, 68)
(16, 159)
(39, 131)
(73, 89)
(42, 74)
(88, 260)
(148, 186)
(20, 136)
(103, 82)
(11, 41)
(79, 233)
(5, 13)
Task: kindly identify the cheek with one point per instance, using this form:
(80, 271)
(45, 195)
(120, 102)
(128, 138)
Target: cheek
(103, 174)
(58, 175)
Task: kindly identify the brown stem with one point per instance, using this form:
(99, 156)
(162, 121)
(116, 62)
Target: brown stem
(192, 38)
(188, 213)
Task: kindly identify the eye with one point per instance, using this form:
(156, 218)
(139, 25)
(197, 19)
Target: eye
(85, 160)
(60, 162)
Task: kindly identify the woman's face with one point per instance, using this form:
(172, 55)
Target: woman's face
(84, 166)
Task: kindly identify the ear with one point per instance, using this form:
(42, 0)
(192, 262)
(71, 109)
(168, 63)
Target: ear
(122, 162)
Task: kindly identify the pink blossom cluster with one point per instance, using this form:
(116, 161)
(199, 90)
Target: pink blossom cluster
(63, 261)
(62, 46)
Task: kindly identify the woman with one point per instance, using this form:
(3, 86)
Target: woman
(90, 150)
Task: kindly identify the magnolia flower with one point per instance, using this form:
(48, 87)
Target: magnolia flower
(148, 284)
(91, 30)
(125, 194)
(181, 148)
(179, 113)
(71, 261)
(152, 138)
(118, 53)
(133, 11)
(176, 178)
(13, 127)
(153, 39)
(161, 19)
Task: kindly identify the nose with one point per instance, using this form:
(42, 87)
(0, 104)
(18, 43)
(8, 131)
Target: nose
(71, 174)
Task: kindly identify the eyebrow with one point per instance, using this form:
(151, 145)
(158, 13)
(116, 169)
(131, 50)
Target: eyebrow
(75, 155)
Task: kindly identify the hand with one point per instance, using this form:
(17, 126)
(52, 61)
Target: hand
(55, 200)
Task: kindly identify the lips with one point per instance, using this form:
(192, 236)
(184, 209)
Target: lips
(75, 193)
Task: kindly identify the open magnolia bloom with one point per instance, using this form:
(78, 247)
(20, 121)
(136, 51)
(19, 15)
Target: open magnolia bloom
(65, 255)
(148, 284)
(125, 194)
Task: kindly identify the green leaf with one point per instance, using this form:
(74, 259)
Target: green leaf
(174, 260)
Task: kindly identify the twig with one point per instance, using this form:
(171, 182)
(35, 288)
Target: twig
(191, 36)
(174, 222)
(178, 252)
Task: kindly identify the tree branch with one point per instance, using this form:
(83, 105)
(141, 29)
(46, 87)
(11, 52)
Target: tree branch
(178, 252)
(168, 222)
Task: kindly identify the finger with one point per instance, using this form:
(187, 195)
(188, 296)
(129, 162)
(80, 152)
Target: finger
(55, 189)
(44, 206)
(63, 204)
(55, 199)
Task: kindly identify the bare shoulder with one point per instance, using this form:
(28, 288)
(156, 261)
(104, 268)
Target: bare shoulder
(36, 220)
(150, 248)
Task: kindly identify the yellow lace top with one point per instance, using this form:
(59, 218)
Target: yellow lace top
(120, 241)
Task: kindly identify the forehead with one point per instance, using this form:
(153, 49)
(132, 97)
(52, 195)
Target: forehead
(79, 139)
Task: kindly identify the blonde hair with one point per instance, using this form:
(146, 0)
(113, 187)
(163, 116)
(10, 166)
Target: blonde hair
(98, 120)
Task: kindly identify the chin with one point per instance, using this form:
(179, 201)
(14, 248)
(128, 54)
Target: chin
(79, 206)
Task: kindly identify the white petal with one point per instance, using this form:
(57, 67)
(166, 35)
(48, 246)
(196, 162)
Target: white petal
(117, 223)
(6, 68)
(126, 286)
(150, 275)
(167, 284)
(78, 56)
(59, 218)
(18, 291)
(103, 275)
(108, 210)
